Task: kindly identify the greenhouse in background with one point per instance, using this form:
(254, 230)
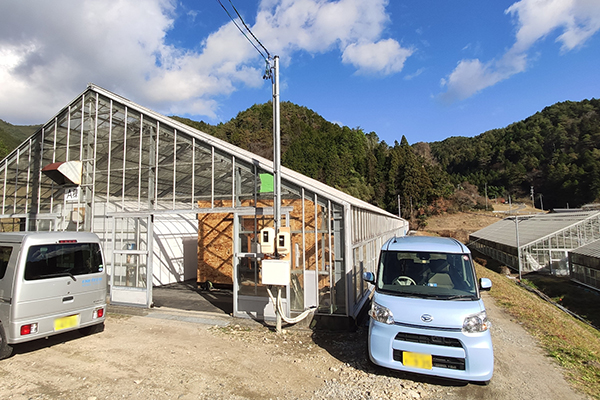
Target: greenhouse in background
(542, 242)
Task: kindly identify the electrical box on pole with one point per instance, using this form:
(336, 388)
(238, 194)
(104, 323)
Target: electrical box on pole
(267, 240)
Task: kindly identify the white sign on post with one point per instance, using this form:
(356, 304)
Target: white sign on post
(72, 194)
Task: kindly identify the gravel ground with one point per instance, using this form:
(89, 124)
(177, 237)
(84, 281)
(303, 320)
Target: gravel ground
(169, 354)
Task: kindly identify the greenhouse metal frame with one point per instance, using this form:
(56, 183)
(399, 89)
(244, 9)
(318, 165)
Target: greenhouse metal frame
(171, 203)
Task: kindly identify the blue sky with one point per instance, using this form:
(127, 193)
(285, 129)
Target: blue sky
(424, 69)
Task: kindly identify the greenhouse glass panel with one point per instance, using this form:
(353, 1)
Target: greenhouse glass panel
(245, 183)
(223, 182)
(22, 179)
(10, 176)
(356, 272)
(337, 246)
(146, 163)
(132, 156)
(203, 174)
(62, 138)
(102, 147)
(48, 144)
(89, 139)
(74, 132)
(165, 167)
(184, 168)
(116, 152)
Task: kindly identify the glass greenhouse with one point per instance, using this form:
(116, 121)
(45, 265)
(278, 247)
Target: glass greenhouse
(172, 203)
(584, 263)
(542, 241)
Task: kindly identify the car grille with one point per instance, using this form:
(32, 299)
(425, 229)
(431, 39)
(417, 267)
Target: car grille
(427, 339)
(438, 361)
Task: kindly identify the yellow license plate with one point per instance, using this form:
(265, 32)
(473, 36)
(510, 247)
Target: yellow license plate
(66, 322)
(417, 360)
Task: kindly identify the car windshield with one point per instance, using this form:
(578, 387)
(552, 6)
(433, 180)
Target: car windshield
(428, 275)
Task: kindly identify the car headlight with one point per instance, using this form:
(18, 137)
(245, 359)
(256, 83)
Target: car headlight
(381, 314)
(476, 323)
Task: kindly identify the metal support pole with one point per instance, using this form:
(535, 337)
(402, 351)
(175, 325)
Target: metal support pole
(276, 147)
(276, 173)
(518, 246)
(278, 311)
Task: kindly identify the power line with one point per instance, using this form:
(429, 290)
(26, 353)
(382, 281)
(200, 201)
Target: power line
(249, 30)
(268, 56)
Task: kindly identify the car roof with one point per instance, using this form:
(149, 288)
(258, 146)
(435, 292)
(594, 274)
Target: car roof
(430, 244)
(47, 237)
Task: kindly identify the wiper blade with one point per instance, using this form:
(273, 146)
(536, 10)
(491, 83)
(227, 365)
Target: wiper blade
(460, 296)
(59, 274)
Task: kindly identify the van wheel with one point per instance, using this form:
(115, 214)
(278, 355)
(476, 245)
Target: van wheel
(5, 348)
(90, 330)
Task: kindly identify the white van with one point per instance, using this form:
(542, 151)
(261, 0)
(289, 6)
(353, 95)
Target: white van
(427, 315)
(50, 283)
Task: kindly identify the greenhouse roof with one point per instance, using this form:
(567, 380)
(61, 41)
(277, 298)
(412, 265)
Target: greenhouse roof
(590, 250)
(531, 227)
(286, 173)
(225, 148)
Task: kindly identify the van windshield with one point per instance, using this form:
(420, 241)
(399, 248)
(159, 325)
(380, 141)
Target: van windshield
(429, 275)
(63, 259)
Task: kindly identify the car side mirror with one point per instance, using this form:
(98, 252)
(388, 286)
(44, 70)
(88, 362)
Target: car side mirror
(369, 277)
(485, 284)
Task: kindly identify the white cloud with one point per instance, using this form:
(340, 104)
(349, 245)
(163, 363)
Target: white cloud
(319, 25)
(469, 77)
(120, 44)
(410, 77)
(385, 57)
(578, 20)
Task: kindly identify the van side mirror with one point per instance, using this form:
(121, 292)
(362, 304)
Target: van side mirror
(485, 284)
(369, 277)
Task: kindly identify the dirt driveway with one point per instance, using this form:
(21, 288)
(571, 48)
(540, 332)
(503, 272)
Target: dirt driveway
(169, 354)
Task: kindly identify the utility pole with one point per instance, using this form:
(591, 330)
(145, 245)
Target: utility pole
(532, 198)
(518, 246)
(276, 147)
(276, 173)
(486, 199)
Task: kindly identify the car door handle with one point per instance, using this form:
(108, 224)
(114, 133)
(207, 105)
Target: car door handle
(68, 298)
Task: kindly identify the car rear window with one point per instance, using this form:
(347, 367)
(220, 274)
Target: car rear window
(63, 259)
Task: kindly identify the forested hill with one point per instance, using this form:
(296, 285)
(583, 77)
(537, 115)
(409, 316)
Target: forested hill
(557, 151)
(346, 158)
(13, 135)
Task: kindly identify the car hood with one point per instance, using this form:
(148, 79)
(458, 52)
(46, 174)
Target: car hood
(448, 314)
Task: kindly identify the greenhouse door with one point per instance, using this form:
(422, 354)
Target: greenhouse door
(250, 298)
(131, 272)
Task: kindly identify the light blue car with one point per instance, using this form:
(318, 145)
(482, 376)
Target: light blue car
(427, 315)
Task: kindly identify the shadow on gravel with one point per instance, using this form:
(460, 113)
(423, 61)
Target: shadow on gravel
(351, 349)
(51, 341)
(191, 296)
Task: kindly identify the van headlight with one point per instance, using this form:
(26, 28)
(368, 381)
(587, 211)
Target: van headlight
(476, 323)
(381, 314)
